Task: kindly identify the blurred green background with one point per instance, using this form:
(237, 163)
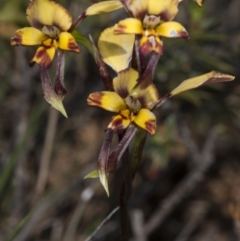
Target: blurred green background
(189, 178)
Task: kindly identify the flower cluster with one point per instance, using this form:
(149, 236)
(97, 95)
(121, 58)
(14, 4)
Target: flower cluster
(131, 47)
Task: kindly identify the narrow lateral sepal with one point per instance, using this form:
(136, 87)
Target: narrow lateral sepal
(49, 94)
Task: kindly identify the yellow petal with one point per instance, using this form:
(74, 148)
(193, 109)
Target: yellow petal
(116, 50)
(46, 12)
(28, 36)
(107, 100)
(137, 7)
(121, 121)
(147, 97)
(129, 25)
(104, 7)
(50, 43)
(125, 81)
(167, 8)
(209, 78)
(44, 56)
(67, 42)
(146, 120)
(151, 43)
(172, 30)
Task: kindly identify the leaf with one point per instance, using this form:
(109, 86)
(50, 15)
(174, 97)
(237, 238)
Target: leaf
(81, 39)
(116, 50)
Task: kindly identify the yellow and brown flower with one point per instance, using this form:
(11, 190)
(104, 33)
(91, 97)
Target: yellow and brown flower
(152, 19)
(131, 105)
(50, 23)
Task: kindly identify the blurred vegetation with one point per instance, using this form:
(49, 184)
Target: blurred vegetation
(66, 207)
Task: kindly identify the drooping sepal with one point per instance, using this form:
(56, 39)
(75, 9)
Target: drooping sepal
(107, 100)
(103, 162)
(49, 94)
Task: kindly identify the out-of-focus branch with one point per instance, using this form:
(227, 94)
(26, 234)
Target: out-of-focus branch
(197, 212)
(137, 221)
(203, 161)
(47, 151)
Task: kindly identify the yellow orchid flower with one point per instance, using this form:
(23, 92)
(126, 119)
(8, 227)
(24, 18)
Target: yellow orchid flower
(50, 23)
(151, 20)
(131, 105)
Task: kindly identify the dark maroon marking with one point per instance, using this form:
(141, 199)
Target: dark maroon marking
(150, 126)
(37, 24)
(73, 47)
(166, 16)
(123, 92)
(17, 39)
(45, 59)
(96, 100)
(217, 80)
(120, 29)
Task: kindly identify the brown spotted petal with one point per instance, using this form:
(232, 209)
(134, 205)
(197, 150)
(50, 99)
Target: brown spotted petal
(147, 97)
(172, 30)
(48, 13)
(125, 81)
(28, 36)
(67, 42)
(43, 56)
(121, 122)
(107, 100)
(146, 120)
(150, 44)
(166, 9)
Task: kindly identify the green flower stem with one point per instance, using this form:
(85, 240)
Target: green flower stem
(138, 146)
(81, 39)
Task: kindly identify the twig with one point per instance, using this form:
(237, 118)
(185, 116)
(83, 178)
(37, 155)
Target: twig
(102, 223)
(204, 160)
(197, 211)
(84, 198)
(47, 151)
(137, 225)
